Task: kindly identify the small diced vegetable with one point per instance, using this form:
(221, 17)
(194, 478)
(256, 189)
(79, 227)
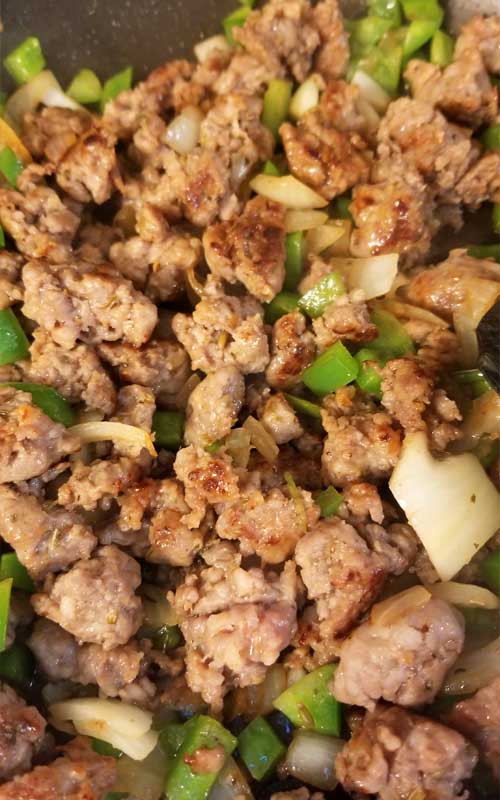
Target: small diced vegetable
(14, 344)
(304, 406)
(103, 748)
(2, 237)
(295, 249)
(10, 165)
(490, 571)
(116, 84)
(283, 303)
(166, 638)
(329, 501)
(419, 32)
(474, 380)
(341, 206)
(85, 87)
(50, 401)
(260, 748)
(423, 9)
(315, 302)
(373, 93)
(491, 137)
(288, 191)
(309, 703)
(473, 670)
(276, 104)
(168, 429)
(311, 758)
(11, 567)
(270, 168)
(231, 784)
(374, 275)
(5, 592)
(442, 46)
(236, 19)
(129, 435)
(390, 9)
(485, 251)
(305, 98)
(384, 62)
(392, 341)
(209, 47)
(16, 664)
(26, 60)
(368, 379)
(495, 218)
(43, 89)
(334, 368)
(261, 439)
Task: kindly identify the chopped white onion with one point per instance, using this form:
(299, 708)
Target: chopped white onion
(304, 220)
(123, 717)
(261, 439)
(119, 432)
(374, 275)
(474, 670)
(231, 784)
(142, 779)
(287, 190)
(407, 311)
(482, 419)
(342, 247)
(467, 338)
(306, 97)
(466, 595)
(237, 444)
(183, 133)
(451, 503)
(391, 610)
(320, 239)
(158, 611)
(209, 47)
(43, 88)
(136, 747)
(371, 91)
(9, 138)
(311, 758)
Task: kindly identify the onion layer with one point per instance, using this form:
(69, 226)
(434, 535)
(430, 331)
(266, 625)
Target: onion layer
(374, 275)
(261, 439)
(311, 758)
(391, 610)
(464, 594)
(474, 670)
(304, 220)
(183, 133)
(89, 432)
(287, 190)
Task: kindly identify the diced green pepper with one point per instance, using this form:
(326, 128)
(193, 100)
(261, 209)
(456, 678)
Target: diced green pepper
(117, 796)
(294, 262)
(384, 62)
(16, 664)
(368, 379)
(115, 85)
(442, 47)
(3, 100)
(26, 60)
(235, 20)
(201, 733)
(392, 341)
(172, 737)
(270, 168)
(304, 406)
(14, 344)
(5, 591)
(419, 32)
(85, 87)
(105, 749)
(423, 9)
(214, 446)
(309, 703)
(283, 303)
(490, 571)
(276, 104)
(389, 9)
(491, 137)
(329, 501)
(495, 218)
(315, 302)
(260, 748)
(166, 638)
(485, 251)
(487, 451)
(481, 620)
(366, 33)
(11, 567)
(168, 429)
(474, 380)
(10, 165)
(2, 237)
(50, 401)
(341, 206)
(334, 368)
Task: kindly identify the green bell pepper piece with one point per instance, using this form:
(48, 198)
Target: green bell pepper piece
(5, 592)
(385, 61)
(168, 429)
(11, 567)
(166, 638)
(304, 406)
(442, 47)
(309, 703)
(490, 571)
(117, 796)
(10, 165)
(115, 85)
(283, 303)
(366, 32)
(50, 401)
(201, 732)
(368, 379)
(491, 137)
(270, 168)
(484, 251)
(341, 206)
(334, 368)
(315, 302)
(294, 263)
(487, 451)
(260, 748)
(105, 749)
(329, 501)
(2, 237)
(423, 9)
(419, 32)
(14, 344)
(276, 103)
(85, 87)
(474, 380)
(16, 664)
(235, 20)
(495, 218)
(392, 341)
(389, 9)
(26, 60)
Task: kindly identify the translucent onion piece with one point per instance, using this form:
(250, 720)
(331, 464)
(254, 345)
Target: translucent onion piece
(89, 415)
(43, 88)
(467, 338)
(483, 418)
(480, 296)
(183, 133)
(237, 445)
(371, 91)
(210, 47)
(474, 670)
(451, 503)
(466, 595)
(320, 239)
(298, 500)
(407, 311)
(391, 610)
(136, 747)
(231, 784)
(374, 275)
(306, 97)
(342, 246)
(9, 138)
(123, 717)
(287, 190)
(261, 439)
(194, 283)
(144, 779)
(311, 758)
(300, 220)
(118, 432)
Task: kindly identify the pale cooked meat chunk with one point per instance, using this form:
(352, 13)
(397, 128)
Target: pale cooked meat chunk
(250, 248)
(89, 169)
(280, 420)
(345, 319)
(95, 600)
(11, 288)
(50, 132)
(481, 182)
(395, 754)
(332, 58)
(208, 479)
(30, 442)
(74, 372)
(86, 302)
(45, 539)
(162, 365)
(292, 350)
(362, 502)
(79, 774)
(213, 406)
(21, 733)
(41, 225)
(235, 71)
(136, 406)
(403, 660)
(406, 392)
(478, 718)
(95, 485)
(483, 34)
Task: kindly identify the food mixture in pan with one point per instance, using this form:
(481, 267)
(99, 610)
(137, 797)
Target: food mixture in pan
(249, 420)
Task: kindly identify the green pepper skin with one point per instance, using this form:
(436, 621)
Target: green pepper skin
(270, 168)
(294, 262)
(85, 87)
(315, 302)
(329, 501)
(442, 47)
(304, 406)
(168, 429)
(283, 303)
(490, 571)
(392, 340)
(50, 401)
(14, 345)
(5, 592)
(16, 664)
(485, 251)
(490, 138)
(26, 61)
(116, 84)
(260, 748)
(309, 703)
(11, 567)
(235, 20)
(10, 166)
(334, 368)
(276, 103)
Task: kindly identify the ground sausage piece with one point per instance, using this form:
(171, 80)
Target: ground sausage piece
(80, 774)
(11, 289)
(171, 540)
(76, 373)
(135, 406)
(208, 479)
(333, 54)
(162, 365)
(51, 131)
(346, 319)
(478, 718)
(213, 406)
(483, 34)
(86, 302)
(403, 661)
(250, 248)
(95, 600)
(95, 485)
(89, 169)
(21, 733)
(292, 350)
(280, 420)
(406, 392)
(395, 754)
(41, 225)
(481, 182)
(30, 442)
